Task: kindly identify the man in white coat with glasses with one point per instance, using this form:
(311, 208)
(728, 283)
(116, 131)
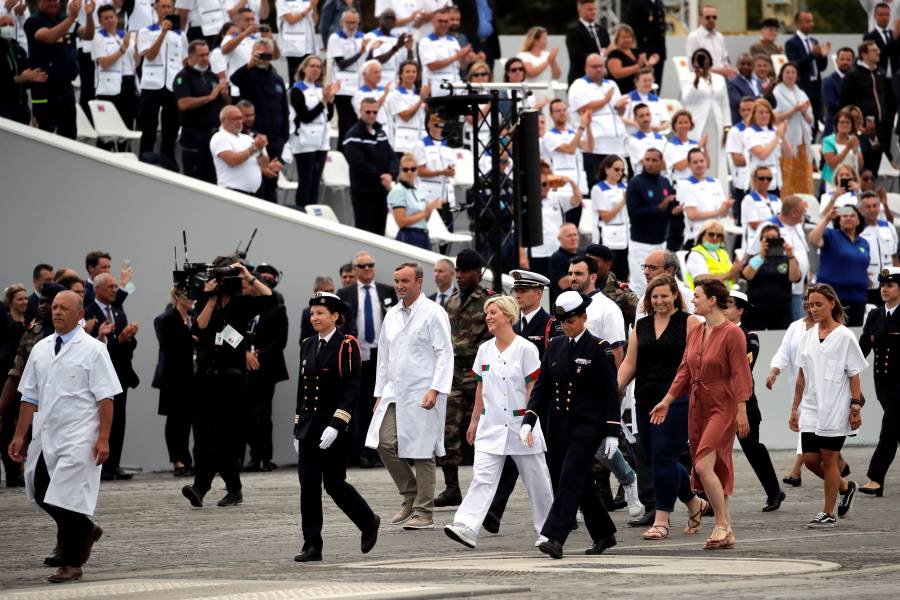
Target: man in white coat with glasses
(69, 383)
(414, 376)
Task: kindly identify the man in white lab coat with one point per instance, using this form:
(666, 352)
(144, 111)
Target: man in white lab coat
(414, 376)
(70, 383)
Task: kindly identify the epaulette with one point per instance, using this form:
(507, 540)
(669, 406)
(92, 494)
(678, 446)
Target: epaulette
(34, 323)
(623, 285)
(348, 342)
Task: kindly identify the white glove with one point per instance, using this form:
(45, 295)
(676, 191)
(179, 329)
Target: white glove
(610, 446)
(328, 436)
(523, 433)
(296, 445)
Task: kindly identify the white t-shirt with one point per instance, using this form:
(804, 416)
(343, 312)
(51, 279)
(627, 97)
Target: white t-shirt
(340, 45)
(827, 368)
(247, 176)
(606, 124)
(18, 22)
(658, 112)
(703, 194)
(218, 64)
(756, 209)
(735, 144)
(563, 163)
(432, 49)
(614, 233)
(605, 320)
(637, 144)
(403, 9)
(757, 136)
(208, 15)
(142, 15)
(676, 151)
(553, 209)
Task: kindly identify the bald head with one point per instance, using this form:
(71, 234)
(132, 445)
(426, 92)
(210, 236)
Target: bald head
(594, 67)
(67, 311)
(231, 119)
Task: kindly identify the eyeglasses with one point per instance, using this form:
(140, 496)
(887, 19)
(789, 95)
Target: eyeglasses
(409, 169)
(715, 235)
(652, 267)
(364, 266)
(480, 74)
(763, 178)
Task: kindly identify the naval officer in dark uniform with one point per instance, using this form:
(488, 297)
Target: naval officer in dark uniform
(881, 333)
(537, 326)
(330, 369)
(577, 398)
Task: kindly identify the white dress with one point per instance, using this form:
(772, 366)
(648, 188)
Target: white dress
(546, 76)
(708, 104)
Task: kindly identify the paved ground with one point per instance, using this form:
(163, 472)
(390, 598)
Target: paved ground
(157, 547)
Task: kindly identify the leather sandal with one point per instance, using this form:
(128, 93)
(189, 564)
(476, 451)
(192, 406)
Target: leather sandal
(714, 542)
(657, 532)
(696, 519)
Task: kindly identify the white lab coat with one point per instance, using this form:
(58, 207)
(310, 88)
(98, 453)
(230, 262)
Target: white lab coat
(413, 357)
(827, 369)
(68, 387)
(708, 104)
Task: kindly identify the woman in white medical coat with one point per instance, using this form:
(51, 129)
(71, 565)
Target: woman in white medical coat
(505, 368)
(828, 399)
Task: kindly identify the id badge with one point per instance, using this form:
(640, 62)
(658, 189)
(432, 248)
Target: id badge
(219, 341)
(231, 337)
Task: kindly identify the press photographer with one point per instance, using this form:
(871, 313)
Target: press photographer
(233, 296)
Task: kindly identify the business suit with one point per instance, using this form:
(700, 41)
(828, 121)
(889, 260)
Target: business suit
(468, 25)
(648, 20)
(831, 99)
(89, 294)
(739, 87)
(539, 331)
(577, 393)
(889, 62)
(434, 297)
(866, 89)
(385, 297)
(174, 378)
(809, 73)
(327, 392)
(120, 353)
(580, 43)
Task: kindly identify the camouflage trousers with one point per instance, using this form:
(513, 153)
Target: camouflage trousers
(459, 411)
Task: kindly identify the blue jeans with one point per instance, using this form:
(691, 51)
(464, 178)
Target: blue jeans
(415, 237)
(662, 444)
(618, 466)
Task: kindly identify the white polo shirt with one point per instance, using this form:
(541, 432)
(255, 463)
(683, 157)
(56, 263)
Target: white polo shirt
(161, 70)
(563, 163)
(658, 112)
(606, 124)
(605, 320)
(735, 143)
(432, 49)
(636, 146)
(703, 194)
(247, 176)
(882, 238)
(676, 151)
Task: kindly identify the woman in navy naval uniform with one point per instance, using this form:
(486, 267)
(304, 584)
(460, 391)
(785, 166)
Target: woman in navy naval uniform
(329, 388)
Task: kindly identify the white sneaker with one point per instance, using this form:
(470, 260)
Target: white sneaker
(461, 534)
(541, 539)
(635, 508)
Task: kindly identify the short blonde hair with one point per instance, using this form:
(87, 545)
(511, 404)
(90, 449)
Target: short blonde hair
(507, 305)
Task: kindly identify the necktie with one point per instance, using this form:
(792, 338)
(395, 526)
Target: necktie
(442, 298)
(109, 315)
(58, 345)
(368, 316)
(572, 348)
(593, 32)
(524, 323)
(815, 67)
(321, 347)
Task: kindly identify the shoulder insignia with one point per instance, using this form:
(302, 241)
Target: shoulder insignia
(34, 325)
(623, 285)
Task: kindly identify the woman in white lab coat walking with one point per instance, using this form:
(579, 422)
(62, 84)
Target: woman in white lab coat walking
(505, 368)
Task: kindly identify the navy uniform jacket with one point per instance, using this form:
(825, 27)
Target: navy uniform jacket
(882, 334)
(269, 338)
(329, 385)
(540, 330)
(578, 394)
(753, 414)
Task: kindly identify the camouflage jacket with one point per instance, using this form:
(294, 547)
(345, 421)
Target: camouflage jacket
(621, 294)
(32, 336)
(467, 327)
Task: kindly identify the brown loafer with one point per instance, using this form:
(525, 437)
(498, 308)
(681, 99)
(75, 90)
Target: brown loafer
(65, 575)
(89, 541)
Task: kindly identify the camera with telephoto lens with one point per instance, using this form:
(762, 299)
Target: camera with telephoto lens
(192, 277)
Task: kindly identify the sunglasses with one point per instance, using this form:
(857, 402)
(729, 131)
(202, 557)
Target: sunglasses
(715, 236)
(763, 178)
(364, 266)
(409, 169)
(479, 74)
(517, 70)
(711, 17)
(370, 112)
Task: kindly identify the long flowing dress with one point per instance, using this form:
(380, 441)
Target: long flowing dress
(717, 376)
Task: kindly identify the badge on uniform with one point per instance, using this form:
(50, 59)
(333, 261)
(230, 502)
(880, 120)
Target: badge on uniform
(582, 361)
(231, 337)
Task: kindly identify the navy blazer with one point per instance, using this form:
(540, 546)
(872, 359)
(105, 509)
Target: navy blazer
(119, 353)
(796, 52)
(737, 89)
(831, 99)
(890, 52)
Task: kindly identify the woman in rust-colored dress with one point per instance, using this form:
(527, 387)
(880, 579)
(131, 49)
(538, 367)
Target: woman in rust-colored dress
(715, 371)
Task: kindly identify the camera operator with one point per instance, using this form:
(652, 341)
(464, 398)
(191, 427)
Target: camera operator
(221, 373)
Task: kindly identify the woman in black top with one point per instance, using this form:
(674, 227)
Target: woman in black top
(769, 276)
(622, 62)
(174, 378)
(12, 328)
(655, 349)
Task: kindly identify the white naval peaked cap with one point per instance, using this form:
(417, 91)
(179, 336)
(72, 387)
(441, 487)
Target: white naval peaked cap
(528, 279)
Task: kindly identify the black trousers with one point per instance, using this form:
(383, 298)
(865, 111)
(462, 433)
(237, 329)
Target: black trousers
(758, 455)
(888, 395)
(14, 111)
(72, 528)
(218, 431)
(196, 33)
(269, 188)
(319, 467)
(363, 410)
(116, 433)
(347, 117)
(768, 317)
(293, 63)
(178, 435)
(196, 159)
(260, 390)
(309, 173)
(575, 488)
(54, 108)
(591, 167)
(148, 118)
(8, 421)
(86, 74)
(370, 210)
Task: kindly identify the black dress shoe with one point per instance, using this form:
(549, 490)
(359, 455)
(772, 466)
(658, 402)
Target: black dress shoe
(452, 496)
(55, 559)
(551, 548)
(601, 546)
(794, 481)
(107, 476)
(309, 555)
(491, 523)
(193, 496)
(268, 466)
(252, 467)
(645, 520)
(877, 492)
(231, 499)
(772, 506)
(367, 542)
(366, 463)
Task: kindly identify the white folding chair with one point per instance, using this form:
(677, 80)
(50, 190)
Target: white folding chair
(465, 168)
(285, 185)
(391, 229)
(812, 206)
(888, 170)
(108, 122)
(682, 67)
(894, 204)
(672, 105)
(323, 211)
(84, 129)
(586, 222)
(438, 232)
(337, 172)
(779, 60)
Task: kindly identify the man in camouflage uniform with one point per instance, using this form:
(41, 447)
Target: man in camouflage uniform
(609, 286)
(468, 330)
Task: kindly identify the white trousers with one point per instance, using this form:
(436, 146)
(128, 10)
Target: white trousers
(486, 476)
(637, 253)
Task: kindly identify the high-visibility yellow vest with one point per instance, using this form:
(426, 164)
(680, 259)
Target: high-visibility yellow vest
(716, 264)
